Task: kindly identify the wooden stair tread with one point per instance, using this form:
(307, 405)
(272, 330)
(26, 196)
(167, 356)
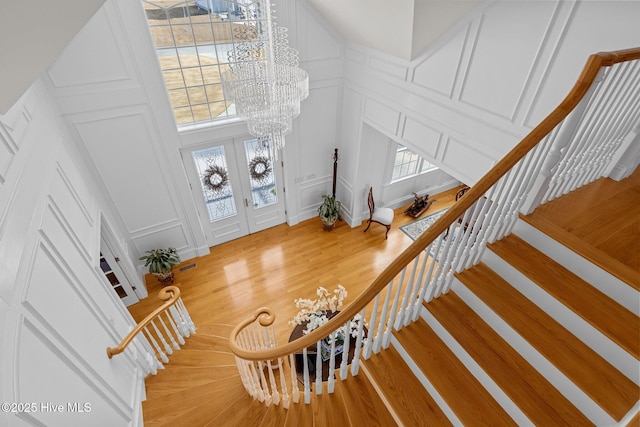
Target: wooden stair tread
(595, 307)
(412, 403)
(618, 269)
(232, 414)
(206, 342)
(364, 405)
(329, 409)
(607, 386)
(467, 398)
(171, 381)
(211, 398)
(527, 388)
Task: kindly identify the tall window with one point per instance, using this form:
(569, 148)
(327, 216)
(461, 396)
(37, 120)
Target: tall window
(192, 39)
(407, 163)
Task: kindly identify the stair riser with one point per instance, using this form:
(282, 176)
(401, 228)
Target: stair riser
(581, 401)
(608, 284)
(601, 344)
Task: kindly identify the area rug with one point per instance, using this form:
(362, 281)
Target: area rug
(417, 227)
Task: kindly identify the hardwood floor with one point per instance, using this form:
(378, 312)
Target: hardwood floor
(276, 266)
(283, 263)
(600, 221)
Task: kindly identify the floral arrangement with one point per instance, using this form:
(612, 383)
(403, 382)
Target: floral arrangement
(316, 312)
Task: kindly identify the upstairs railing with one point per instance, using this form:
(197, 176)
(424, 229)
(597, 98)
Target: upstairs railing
(573, 145)
(161, 332)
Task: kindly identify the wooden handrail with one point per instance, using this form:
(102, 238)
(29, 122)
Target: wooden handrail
(266, 317)
(169, 295)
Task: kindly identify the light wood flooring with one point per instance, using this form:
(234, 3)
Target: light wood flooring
(276, 266)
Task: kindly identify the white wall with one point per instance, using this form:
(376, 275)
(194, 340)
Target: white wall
(482, 86)
(57, 309)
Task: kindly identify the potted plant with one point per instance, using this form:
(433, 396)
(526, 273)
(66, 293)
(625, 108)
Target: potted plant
(161, 262)
(329, 212)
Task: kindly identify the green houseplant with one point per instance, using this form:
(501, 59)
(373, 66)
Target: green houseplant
(161, 262)
(329, 212)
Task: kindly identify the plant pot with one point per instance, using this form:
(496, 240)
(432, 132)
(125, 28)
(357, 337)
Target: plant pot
(328, 225)
(165, 278)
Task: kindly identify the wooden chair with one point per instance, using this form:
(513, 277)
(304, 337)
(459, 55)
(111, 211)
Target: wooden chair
(383, 216)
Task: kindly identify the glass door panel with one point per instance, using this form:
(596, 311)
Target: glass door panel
(213, 173)
(262, 175)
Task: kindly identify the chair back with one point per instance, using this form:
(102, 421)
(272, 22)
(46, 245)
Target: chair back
(372, 205)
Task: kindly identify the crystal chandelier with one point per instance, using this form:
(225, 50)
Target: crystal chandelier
(263, 79)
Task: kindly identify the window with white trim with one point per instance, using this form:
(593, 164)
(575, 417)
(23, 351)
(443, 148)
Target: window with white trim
(192, 40)
(407, 164)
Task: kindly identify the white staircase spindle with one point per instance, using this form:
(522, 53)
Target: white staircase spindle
(331, 380)
(167, 347)
(174, 327)
(161, 353)
(345, 351)
(305, 373)
(378, 338)
(295, 390)
(318, 368)
(355, 363)
(368, 345)
(168, 333)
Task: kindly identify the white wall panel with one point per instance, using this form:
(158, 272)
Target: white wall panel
(126, 157)
(50, 292)
(46, 377)
(595, 26)
(438, 71)
(158, 236)
(423, 136)
(74, 209)
(382, 116)
(316, 130)
(505, 52)
(468, 162)
(104, 62)
(388, 67)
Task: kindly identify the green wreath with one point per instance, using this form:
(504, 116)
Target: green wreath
(215, 178)
(259, 168)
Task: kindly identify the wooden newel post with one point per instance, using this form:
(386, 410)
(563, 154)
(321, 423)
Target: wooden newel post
(335, 171)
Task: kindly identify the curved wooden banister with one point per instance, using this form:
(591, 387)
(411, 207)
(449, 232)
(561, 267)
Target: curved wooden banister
(266, 317)
(168, 294)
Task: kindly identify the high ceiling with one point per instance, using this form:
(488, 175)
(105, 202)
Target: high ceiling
(33, 33)
(401, 28)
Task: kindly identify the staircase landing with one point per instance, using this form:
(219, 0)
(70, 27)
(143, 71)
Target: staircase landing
(601, 222)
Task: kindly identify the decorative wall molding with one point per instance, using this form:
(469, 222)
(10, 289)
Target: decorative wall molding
(109, 70)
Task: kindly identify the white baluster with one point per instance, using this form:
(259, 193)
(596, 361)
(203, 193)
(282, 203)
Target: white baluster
(167, 347)
(168, 332)
(307, 386)
(355, 363)
(185, 313)
(396, 300)
(176, 328)
(332, 363)
(286, 399)
(368, 345)
(405, 298)
(161, 353)
(345, 351)
(318, 368)
(377, 343)
(417, 290)
(275, 396)
(295, 390)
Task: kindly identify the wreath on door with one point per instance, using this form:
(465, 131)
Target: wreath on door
(259, 168)
(215, 178)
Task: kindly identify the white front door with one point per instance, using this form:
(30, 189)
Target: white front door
(237, 187)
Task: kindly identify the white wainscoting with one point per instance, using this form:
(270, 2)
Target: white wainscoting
(59, 313)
